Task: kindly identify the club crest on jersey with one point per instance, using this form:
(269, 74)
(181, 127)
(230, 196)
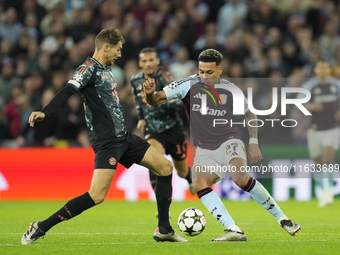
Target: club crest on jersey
(223, 98)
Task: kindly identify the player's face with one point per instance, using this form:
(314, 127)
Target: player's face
(114, 53)
(210, 72)
(322, 70)
(149, 62)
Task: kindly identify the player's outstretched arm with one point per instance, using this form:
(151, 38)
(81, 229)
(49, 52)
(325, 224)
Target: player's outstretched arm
(254, 153)
(56, 101)
(36, 117)
(152, 97)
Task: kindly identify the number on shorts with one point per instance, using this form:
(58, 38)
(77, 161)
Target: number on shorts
(232, 149)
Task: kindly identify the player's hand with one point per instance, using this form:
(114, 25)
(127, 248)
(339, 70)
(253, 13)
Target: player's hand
(149, 86)
(141, 125)
(337, 116)
(36, 117)
(254, 153)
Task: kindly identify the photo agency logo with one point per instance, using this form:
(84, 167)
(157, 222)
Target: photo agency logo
(240, 103)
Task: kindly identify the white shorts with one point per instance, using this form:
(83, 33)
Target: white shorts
(218, 160)
(317, 140)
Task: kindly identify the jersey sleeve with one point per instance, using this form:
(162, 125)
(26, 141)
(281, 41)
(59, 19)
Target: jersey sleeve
(59, 99)
(166, 79)
(177, 89)
(83, 75)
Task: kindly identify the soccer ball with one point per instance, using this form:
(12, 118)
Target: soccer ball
(191, 222)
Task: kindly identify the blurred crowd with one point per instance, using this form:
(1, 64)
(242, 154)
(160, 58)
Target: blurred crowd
(43, 41)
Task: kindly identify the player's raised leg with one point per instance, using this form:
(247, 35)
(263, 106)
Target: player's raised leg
(202, 184)
(100, 185)
(154, 161)
(261, 195)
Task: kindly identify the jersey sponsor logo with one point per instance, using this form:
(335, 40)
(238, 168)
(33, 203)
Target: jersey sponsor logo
(74, 83)
(112, 161)
(212, 112)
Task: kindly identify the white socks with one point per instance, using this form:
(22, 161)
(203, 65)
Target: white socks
(261, 196)
(215, 206)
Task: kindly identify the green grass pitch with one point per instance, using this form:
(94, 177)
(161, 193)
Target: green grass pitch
(127, 227)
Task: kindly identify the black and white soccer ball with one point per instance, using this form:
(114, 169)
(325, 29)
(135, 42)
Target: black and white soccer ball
(191, 222)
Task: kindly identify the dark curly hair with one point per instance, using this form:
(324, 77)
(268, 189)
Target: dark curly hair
(210, 55)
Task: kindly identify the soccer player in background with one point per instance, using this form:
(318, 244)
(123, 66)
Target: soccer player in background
(111, 143)
(220, 145)
(161, 124)
(323, 136)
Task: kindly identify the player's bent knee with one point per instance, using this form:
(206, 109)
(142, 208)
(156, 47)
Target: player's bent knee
(199, 184)
(166, 169)
(241, 182)
(169, 167)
